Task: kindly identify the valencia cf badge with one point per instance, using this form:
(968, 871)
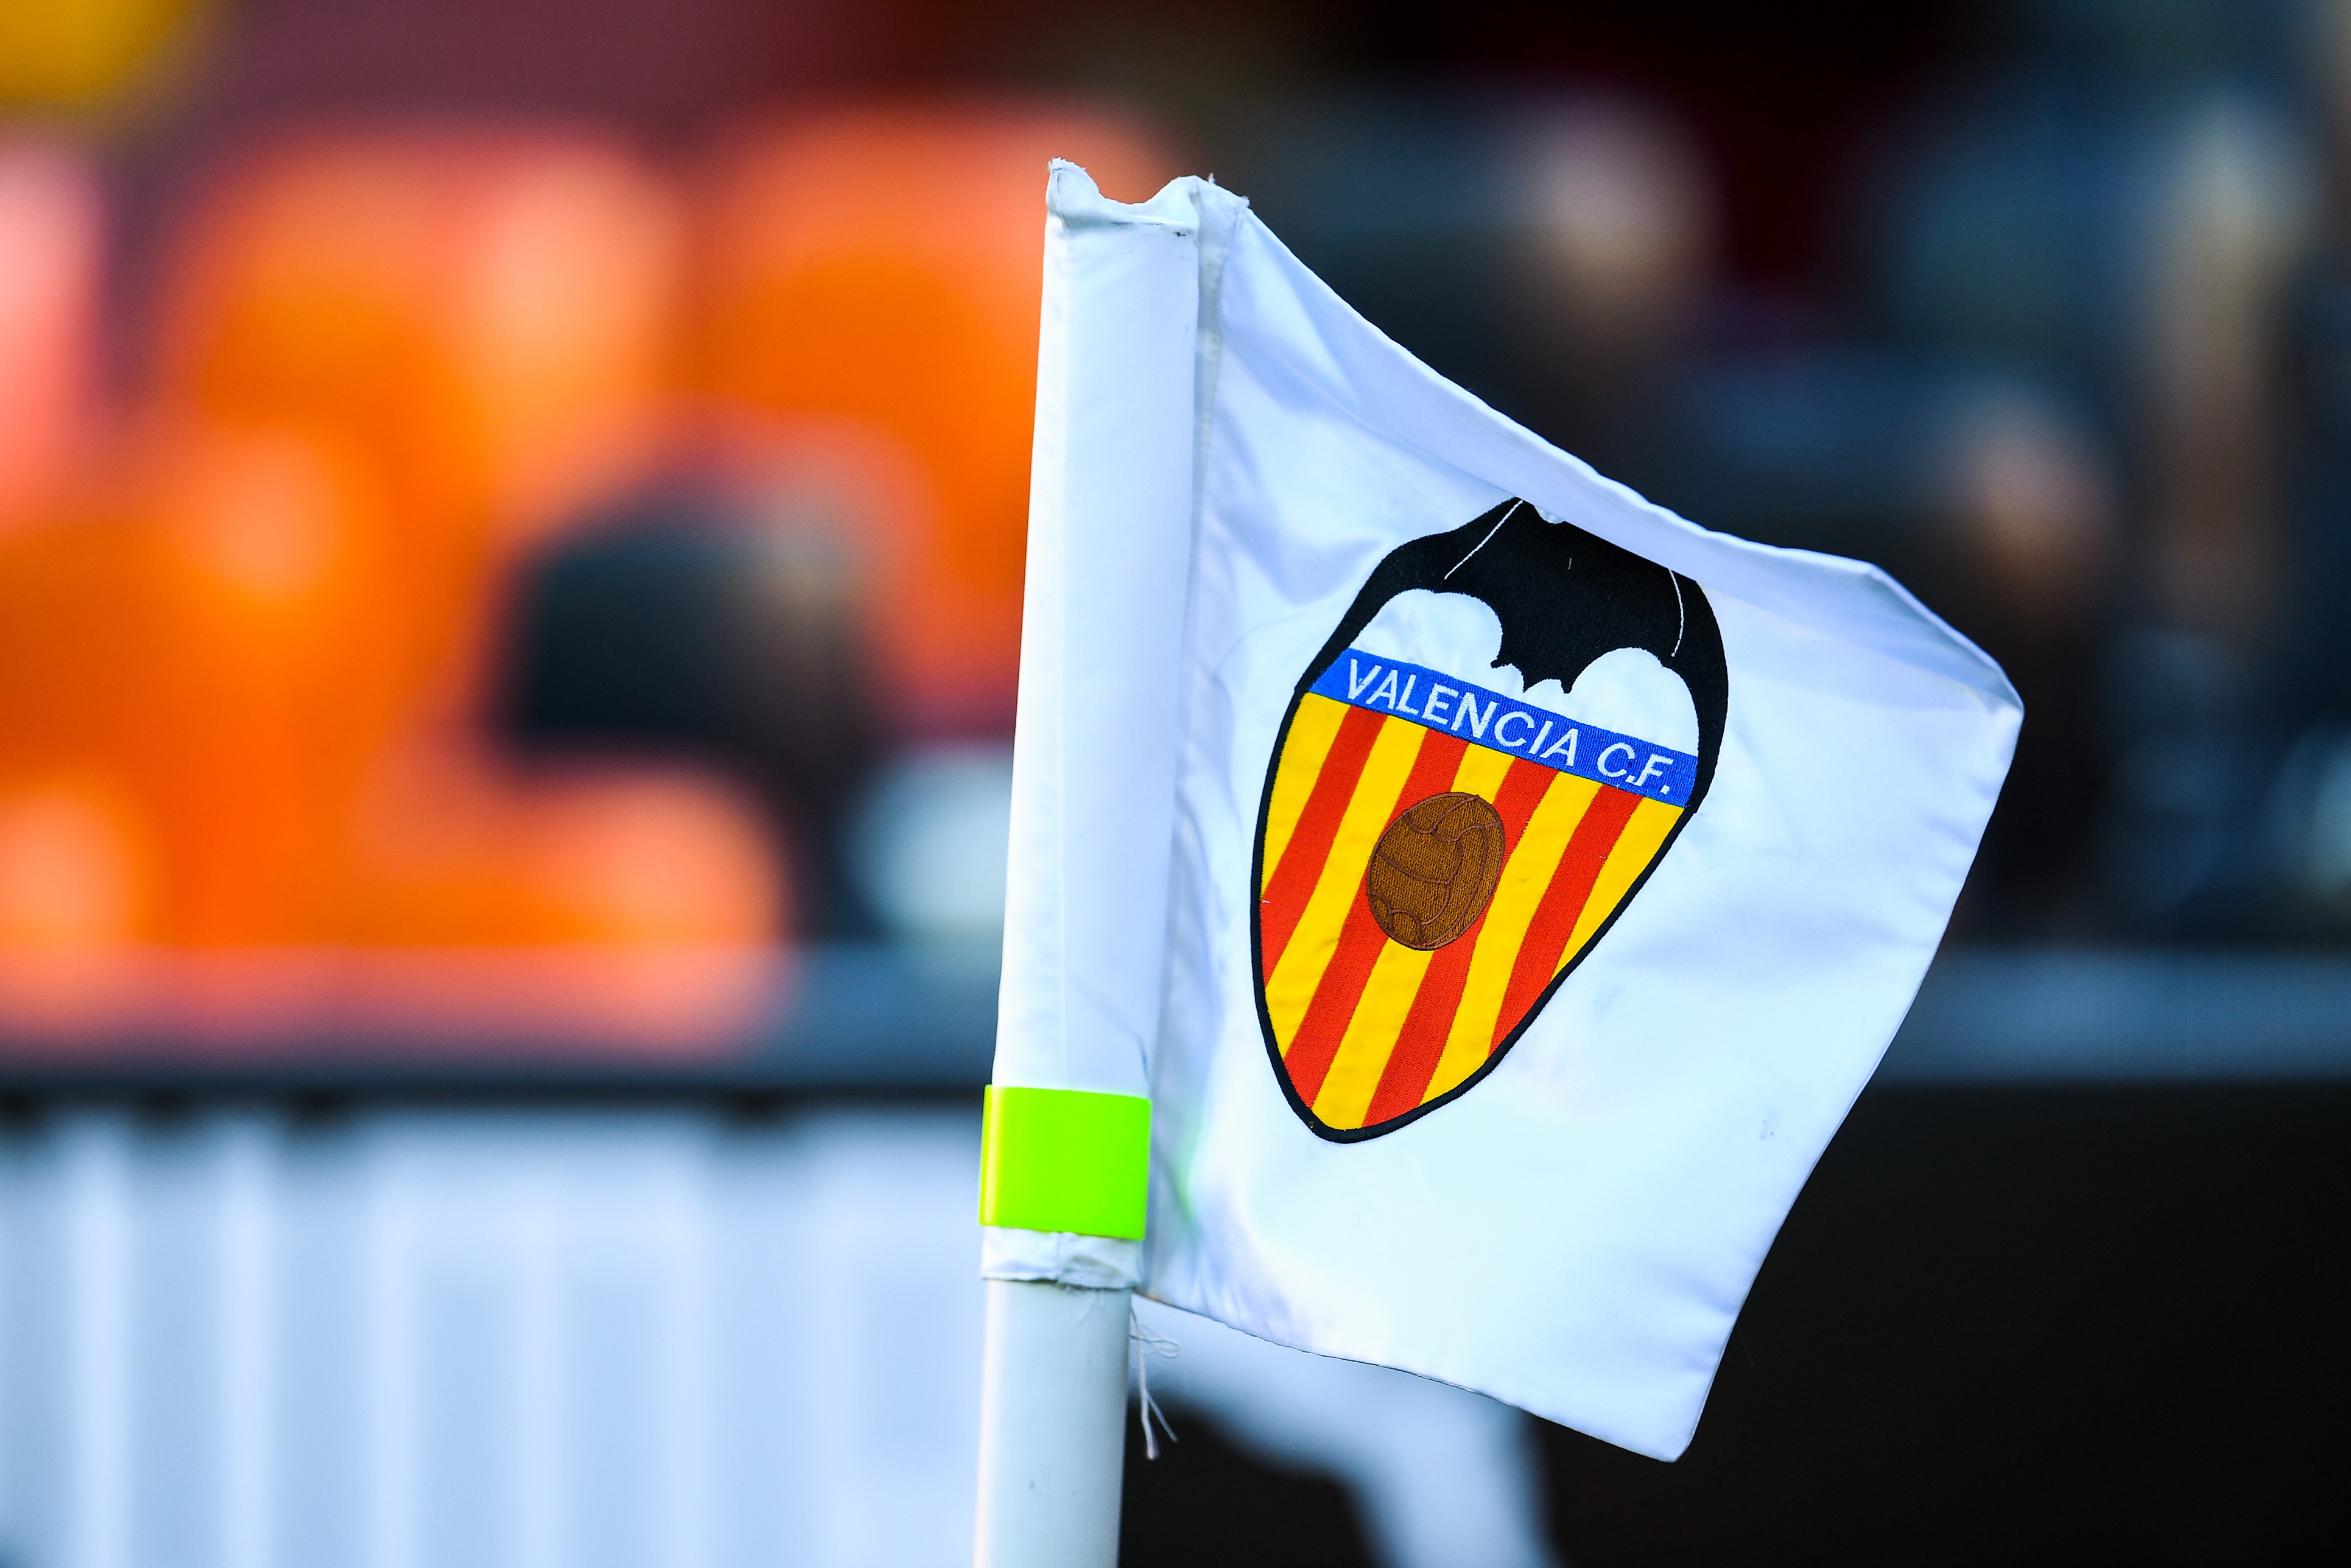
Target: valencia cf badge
(1476, 776)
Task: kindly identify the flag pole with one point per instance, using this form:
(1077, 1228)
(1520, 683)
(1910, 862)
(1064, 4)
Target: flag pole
(1065, 1156)
(1052, 1421)
(1064, 1179)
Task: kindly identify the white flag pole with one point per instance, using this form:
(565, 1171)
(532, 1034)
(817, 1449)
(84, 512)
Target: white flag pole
(1064, 1172)
(1053, 1411)
(1066, 1157)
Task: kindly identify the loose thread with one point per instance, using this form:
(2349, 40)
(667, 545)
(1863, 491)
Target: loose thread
(1144, 1345)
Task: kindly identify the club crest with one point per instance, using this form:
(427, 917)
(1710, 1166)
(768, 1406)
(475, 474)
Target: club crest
(1478, 773)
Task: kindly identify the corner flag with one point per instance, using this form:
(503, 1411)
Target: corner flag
(1497, 887)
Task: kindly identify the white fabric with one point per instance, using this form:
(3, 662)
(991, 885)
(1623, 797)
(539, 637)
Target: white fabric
(1576, 1234)
(1093, 759)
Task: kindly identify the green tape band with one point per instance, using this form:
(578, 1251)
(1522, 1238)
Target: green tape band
(1065, 1159)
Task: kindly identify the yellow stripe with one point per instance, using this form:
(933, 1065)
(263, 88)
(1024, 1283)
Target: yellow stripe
(1637, 846)
(1525, 876)
(1310, 735)
(1378, 1022)
(1291, 985)
(1371, 1036)
(1481, 772)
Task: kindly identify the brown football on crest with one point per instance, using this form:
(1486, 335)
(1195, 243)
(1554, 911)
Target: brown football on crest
(1433, 870)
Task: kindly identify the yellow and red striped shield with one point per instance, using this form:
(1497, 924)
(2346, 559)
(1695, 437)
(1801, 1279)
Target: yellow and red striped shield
(1368, 1032)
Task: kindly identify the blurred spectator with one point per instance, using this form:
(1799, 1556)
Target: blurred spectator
(2119, 205)
(677, 624)
(1615, 267)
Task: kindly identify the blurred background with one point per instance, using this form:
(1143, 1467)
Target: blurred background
(511, 530)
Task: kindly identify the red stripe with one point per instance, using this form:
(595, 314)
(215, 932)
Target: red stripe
(1562, 903)
(1361, 940)
(1284, 904)
(1404, 1083)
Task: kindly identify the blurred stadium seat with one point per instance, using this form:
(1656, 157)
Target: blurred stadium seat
(254, 621)
(246, 637)
(871, 287)
(488, 316)
(474, 855)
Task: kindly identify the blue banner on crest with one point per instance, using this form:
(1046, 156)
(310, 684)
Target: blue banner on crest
(1487, 718)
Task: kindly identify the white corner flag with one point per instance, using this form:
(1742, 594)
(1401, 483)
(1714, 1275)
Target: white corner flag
(1488, 889)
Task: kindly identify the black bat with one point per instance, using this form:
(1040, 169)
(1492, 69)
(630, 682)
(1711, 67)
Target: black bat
(1565, 598)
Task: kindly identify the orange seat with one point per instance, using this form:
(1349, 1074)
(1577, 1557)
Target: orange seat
(213, 628)
(457, 851)
(210, 649)
(871, 288)
(488, 317)
(78, 881)
(234, 652)
(77, 865)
